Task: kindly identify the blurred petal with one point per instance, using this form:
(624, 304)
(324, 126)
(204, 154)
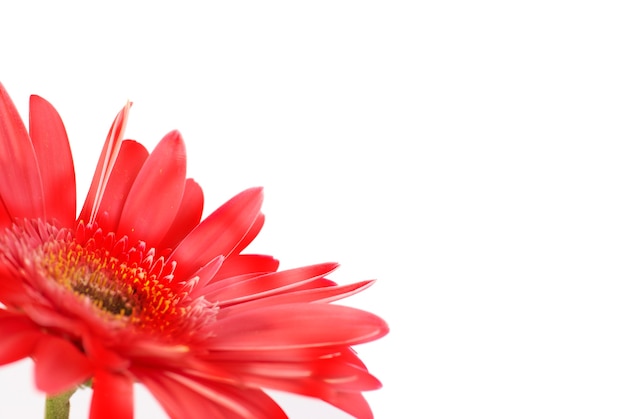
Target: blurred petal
(315, 378)
(281, 327)
(187, 397)
(303, 355)
(112, 396)
(352, 403)
(178, 400)
(11, 290)
(19, 337)
(59, 365)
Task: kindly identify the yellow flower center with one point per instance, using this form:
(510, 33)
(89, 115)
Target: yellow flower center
(119, 287)
(105, 276)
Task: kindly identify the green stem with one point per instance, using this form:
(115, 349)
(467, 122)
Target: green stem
(58, 407)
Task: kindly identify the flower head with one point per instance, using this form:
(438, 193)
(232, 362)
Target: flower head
(139, 288)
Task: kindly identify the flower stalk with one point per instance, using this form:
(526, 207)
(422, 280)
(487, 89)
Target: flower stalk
(58, 407)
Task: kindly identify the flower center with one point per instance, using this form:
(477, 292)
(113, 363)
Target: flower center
(127, 283)
(120, 280)
(107, 282)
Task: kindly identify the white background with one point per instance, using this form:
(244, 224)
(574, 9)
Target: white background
(468, 154)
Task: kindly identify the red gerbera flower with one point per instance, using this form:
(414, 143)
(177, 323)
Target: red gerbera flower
(139, 289)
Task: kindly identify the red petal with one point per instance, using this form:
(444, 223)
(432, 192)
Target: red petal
(105, 166)
(56, 166)
(251, 235)
(319, 295)
(317, 284)
(188, 216)
(228, 293)
(156, 194)
(20, 181)
(316, 378)
(296, 326)
(102, 356)
(48, 316)
(219, 233)
(131, 158)
(245, 264)
(352, 403)
(205, 276)
(185, 397)
(19, 336)
(338, 382)
(12, 290)
(59, 365)
(286, 355)
(178, 400)
(112, 396)
(5, 217)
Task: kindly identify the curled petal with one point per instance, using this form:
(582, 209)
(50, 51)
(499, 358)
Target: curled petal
(232, 292)
(316, 295)
(108, 156)
(5, 218)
